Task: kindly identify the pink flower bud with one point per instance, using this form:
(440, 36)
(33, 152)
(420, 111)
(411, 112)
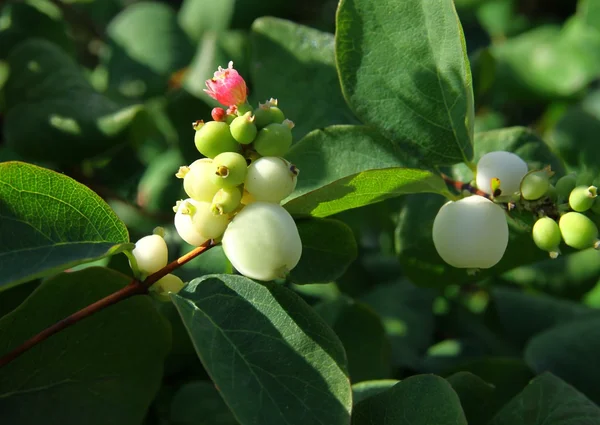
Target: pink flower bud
(227, 87)
(218, 114)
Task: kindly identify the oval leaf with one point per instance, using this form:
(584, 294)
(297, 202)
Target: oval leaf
(404, 70)
(50, 222)
(279, 364)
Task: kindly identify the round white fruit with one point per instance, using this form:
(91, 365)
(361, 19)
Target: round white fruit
(262, 241)
(271, 179)
(505, 166)
(196, 223)
(165, 285)
(197, 182)
(471, 233)
(151, 254)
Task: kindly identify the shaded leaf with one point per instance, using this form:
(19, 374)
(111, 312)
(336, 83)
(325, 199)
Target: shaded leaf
(199, 402)
(475, 396)
(364, 390)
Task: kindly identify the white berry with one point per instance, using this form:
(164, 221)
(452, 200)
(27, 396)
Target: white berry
(471, 233)
(151, 254)
(168, 283)
(506, 166)
(271, 179)
(262, 241)
(197, 181)
(196, 223)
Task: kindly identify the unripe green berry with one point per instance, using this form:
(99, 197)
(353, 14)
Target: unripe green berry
(585, 178)
(229, 169)
(213, 138)
(535, 184)
(274, 140)
(552, 194)
(226, 200)
(243, 129)
(471, 233)
(197, 181)
(277, 115)
(151, 254)
(565, 185)
(271, 179)
(578, 231)
(505, 166)
(546, 235)
(262, 116)
(196, 224)
(161, 289)
(582, 198)
(262, 242)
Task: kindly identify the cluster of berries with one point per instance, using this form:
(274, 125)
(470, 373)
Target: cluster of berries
(472, 232)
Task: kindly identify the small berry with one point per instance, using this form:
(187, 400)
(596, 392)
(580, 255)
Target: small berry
(582, 198)
(227, 87)
(268, 113)
(226, 200)
(275, 139)
(169, 283)
(229, 169)
(565, 185)
(271, 179)
(262, 242)
(471, 233)
(243, 129)
(546, 235)
(195, 222)
(578, 231)
(196, 180)
(505, 166)
(585, 178)
(213, 138)
(535, 184)
(218, 114)
(151, 254)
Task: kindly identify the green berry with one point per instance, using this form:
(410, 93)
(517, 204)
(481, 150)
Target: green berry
(535, 185)
(552, 194)
(271, 179)
(226, 200)
(546, 235)
(277, 115)
(169, 283)
(213, 138)
(578, 231)
(243, 129)
(229, 169)
(151, 254)
(262, 116)
(196, 180)
(196, 224)
(274, 140)
(585, 178)
(565, 185)
(582, 198)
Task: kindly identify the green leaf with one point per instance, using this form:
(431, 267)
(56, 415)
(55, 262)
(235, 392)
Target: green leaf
(196, 17)
(589, 12)
(140, 62)
(105, 369)
(50, 222)
(280, 364)
(328, 248)
(72, 121)
(199, 402)
(335, 178)
(364, 390)
(569, 351)
(407, 315)
(475, 396)
(547, 400)
(418, 400)
(296, 65)
(404, 70)
(363, 336)
(158, 188)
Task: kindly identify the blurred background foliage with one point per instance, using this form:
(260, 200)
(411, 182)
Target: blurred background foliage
(105, 91)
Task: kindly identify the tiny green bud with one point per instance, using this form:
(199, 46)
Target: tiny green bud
(169, 283)
(213, 138)
(230, 169)
(546, 235)
(535, 184)
(243, 129)
(226, 200)
(565, 185)
(274, 140)
(578, 231)
(582, 198)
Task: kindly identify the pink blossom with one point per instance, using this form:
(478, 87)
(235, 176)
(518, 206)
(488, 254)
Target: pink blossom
(227, 87)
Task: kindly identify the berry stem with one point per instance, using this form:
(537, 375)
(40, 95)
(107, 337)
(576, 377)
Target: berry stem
(135, 287)
(464, 186)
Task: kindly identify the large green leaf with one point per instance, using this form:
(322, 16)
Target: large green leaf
(475, 395)
(49, 222)
(547, 400)
(364, 390)
(275, 360)
(404, 70)
(105, 369)
(571, 352)
(362, 333)
(418, 400)
(328, 248)
(72, 121)
(344, 167)
(196, 17)
(199, 402)
(307, 86)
